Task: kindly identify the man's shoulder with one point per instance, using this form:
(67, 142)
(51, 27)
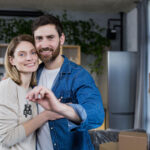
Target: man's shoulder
(77, 68)
(79, 71)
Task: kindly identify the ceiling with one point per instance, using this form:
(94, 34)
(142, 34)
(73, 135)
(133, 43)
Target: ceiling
(104, 6)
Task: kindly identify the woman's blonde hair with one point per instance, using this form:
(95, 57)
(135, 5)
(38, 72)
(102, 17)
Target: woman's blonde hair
(11, 71)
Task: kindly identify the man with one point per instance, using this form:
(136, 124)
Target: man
(75, 97)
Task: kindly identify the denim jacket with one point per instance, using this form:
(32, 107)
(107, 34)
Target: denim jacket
(75, 85)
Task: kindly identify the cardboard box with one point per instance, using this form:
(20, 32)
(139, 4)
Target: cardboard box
(109, 146)
(133, 141)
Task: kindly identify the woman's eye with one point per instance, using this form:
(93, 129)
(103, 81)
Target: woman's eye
(21, 54)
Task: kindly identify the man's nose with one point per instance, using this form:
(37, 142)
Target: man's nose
(45, 43)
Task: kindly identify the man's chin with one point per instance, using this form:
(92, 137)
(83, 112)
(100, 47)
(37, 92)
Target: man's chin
(47, 60)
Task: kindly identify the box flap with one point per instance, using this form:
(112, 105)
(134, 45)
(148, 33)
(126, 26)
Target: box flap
(140, 134)
(109, 146)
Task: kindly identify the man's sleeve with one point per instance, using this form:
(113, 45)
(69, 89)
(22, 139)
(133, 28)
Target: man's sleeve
(89, 99)
(81, 113)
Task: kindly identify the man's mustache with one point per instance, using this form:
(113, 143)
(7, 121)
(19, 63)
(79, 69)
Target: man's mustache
(45, 49)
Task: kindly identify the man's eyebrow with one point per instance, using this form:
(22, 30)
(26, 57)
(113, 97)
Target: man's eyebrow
(38, 36)
(50, 35)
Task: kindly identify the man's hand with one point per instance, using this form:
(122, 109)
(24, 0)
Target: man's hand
(52, 115)
(44, 97)
(48, 100)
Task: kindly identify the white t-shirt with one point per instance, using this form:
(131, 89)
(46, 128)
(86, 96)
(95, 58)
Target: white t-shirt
(44, 141)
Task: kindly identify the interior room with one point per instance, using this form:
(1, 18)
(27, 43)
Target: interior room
(114, 50)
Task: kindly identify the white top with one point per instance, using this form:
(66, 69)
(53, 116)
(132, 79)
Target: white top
(44, 141)
(12, 102)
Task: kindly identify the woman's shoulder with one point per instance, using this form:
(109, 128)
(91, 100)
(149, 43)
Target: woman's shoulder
(8, 93)
(7, 85)
(8, 99)
(7, 82)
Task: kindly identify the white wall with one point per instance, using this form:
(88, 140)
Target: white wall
(131, 30)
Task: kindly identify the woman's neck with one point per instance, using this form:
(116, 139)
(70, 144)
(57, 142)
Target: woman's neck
(26, 79)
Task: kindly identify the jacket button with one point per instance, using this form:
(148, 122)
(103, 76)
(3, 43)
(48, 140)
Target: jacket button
(54, 144)
(51, 128)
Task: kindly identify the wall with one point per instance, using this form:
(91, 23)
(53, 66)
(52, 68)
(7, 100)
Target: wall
(131, 30)
(100, 18)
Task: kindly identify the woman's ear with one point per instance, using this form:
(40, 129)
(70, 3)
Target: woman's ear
(62, 39)
(11, 60)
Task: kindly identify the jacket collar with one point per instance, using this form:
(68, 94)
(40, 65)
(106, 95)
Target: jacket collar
(66, 67)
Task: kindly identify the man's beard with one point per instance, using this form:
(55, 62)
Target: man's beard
(49, 58)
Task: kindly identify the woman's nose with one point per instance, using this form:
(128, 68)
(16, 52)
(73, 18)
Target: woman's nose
(29, 57)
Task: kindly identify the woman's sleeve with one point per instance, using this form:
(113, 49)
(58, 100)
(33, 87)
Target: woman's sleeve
(11, 132)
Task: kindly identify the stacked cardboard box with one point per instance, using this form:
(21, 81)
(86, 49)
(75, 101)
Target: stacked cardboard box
(128, 141)
(132, 141)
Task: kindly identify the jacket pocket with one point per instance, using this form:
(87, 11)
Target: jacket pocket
(66, 97)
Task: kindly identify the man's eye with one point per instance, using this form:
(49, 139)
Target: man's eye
(33, 53)
(50, 37)
(38, 38)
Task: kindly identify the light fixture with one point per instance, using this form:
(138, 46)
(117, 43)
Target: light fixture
(20, 13)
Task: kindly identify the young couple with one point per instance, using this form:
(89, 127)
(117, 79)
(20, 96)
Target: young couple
(63, 107)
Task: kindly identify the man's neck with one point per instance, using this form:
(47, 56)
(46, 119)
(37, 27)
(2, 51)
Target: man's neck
(57, 63)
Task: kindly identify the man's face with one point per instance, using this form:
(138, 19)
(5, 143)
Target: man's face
(48, 42)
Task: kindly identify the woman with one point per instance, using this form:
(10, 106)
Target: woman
(18, 116)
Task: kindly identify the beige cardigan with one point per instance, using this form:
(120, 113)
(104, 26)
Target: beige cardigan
(12, 133)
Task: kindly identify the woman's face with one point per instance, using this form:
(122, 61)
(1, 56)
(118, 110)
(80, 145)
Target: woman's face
(25, 58)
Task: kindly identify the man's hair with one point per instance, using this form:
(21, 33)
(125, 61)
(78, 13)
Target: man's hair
(11, 71)
(45, 20)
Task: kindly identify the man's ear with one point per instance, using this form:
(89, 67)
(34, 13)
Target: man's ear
(62, 39)
(11, 60)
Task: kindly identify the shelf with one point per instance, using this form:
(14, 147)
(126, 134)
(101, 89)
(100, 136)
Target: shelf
(3, 45)
(72, 52)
